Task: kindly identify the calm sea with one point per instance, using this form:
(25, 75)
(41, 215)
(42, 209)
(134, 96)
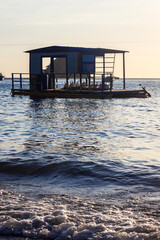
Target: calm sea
(81, 169)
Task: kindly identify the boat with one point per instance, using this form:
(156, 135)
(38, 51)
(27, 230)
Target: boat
(1, 77)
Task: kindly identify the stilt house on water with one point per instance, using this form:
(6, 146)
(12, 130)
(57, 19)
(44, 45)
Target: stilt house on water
(76, 72)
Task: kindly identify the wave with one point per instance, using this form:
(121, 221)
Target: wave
(108, 172)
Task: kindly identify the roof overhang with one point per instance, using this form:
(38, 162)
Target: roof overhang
(63, 49)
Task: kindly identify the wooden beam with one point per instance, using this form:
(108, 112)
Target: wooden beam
(104, 65)
(54, 85)
(12, 80)
(124, 77)
(89, 76)
(103, 76)
(74, 79)
(80, 81)
(94, 81)
(20, 81)
(67, 80)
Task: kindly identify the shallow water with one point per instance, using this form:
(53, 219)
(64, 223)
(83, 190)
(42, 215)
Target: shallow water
(80, 168)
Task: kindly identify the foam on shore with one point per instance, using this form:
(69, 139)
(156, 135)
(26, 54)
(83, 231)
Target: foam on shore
(65, 217)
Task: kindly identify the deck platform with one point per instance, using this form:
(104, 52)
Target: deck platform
(98, 94)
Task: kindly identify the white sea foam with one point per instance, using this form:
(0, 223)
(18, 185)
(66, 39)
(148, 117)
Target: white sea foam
(65, 217)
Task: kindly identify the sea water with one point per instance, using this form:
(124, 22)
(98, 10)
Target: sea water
(80, 168)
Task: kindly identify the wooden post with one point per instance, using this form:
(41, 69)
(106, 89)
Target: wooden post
(30, 76)
(104, 64)
(74, 79)
(111, 82)
(104, 72)
(89, 81)
(86, 81)
(54, 81)
(94, 81)
(67, 80)
(80, 81)
(124, 78)
(12, 81)
(102, 82)
(20, 80)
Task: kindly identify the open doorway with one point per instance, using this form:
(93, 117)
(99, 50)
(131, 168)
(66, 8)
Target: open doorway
(53, 69)
(60, 71)
(56, 65)
(46, 65)
(60, 66)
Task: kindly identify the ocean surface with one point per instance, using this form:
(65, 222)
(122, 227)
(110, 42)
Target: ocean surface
(81, 169)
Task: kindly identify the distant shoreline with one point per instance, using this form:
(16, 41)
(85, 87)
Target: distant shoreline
(142, 78)
(9, 78)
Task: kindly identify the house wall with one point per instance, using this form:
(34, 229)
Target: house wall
(36, 61)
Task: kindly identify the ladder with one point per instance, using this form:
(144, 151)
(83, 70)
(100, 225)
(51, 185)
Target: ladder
(109, 64)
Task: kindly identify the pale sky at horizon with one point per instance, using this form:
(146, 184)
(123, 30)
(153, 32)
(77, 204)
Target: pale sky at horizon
(132, 25)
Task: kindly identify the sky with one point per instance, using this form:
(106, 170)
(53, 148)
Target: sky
(132, 25)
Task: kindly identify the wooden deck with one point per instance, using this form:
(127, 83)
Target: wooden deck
(63, 93)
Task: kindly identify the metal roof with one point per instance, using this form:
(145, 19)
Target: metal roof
(53, 49)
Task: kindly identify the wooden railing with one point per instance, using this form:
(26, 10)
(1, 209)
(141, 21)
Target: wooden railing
(48, 81)
(19, 78)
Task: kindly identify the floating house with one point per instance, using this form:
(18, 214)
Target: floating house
(59, 71)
